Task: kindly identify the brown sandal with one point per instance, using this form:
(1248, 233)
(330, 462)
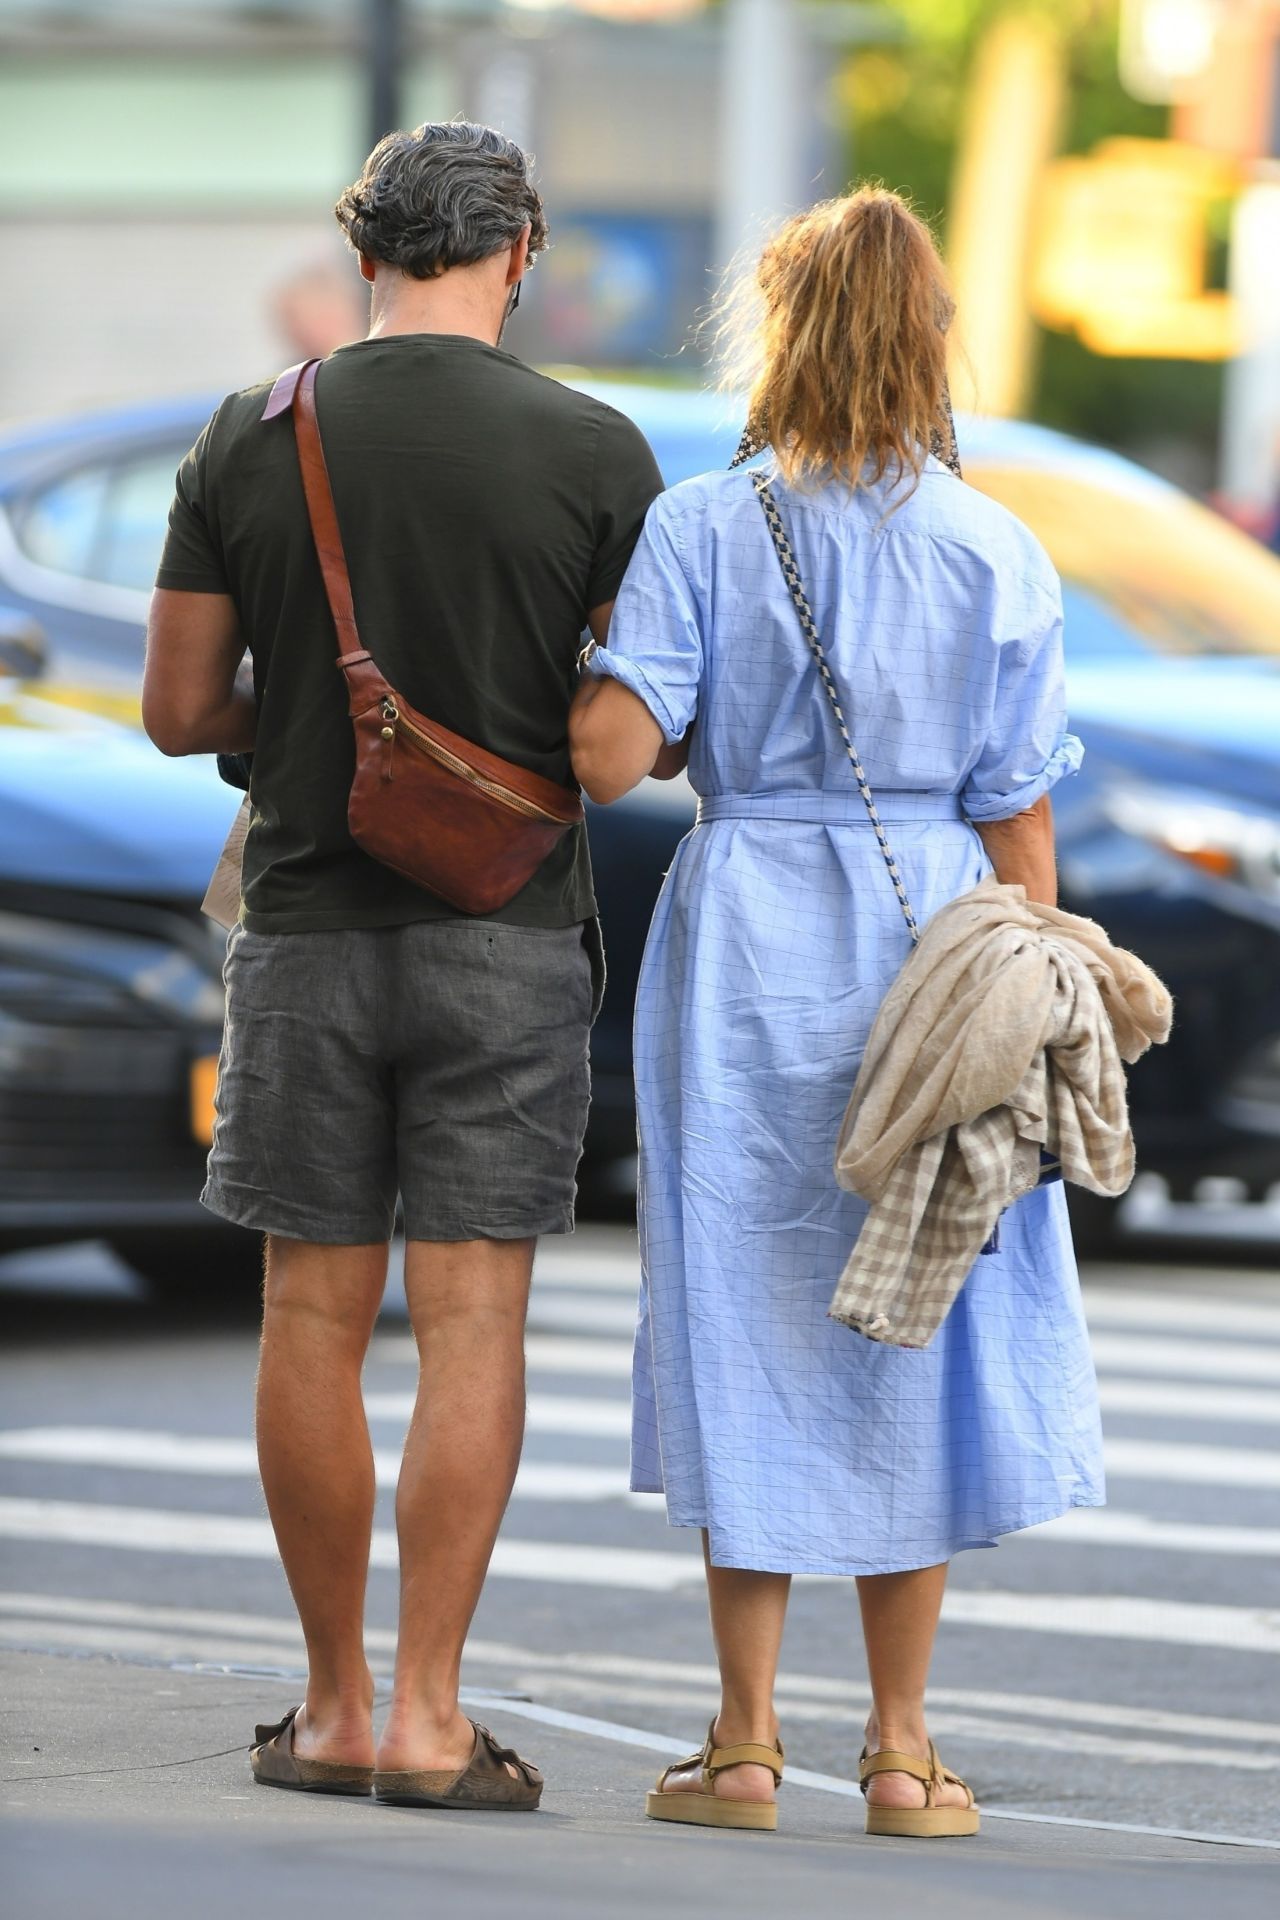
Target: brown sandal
(484, 1785)
(929, 1822)
(703, 1806)
(275, 1764)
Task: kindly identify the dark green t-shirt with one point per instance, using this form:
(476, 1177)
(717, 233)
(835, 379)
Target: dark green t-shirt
(485, 511)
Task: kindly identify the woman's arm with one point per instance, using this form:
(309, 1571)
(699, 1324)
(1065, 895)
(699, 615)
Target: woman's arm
(1021, 850)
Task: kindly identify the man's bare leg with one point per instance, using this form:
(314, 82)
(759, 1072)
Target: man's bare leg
(319, 1311)
(467, 1300)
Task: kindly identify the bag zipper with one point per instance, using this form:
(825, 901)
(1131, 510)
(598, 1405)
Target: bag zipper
(395, 719)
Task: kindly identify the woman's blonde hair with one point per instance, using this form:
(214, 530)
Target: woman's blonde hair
(841, 343)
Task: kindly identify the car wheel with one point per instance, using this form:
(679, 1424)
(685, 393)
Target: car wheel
(214, 1265)
(1095, 1224)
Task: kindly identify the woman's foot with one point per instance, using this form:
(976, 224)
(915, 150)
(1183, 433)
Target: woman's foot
(743, 1782)
(903, 1789)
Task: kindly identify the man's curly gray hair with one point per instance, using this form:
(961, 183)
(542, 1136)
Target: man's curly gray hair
(448, 194)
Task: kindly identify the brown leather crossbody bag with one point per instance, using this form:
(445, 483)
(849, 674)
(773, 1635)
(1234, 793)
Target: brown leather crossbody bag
(434, 807)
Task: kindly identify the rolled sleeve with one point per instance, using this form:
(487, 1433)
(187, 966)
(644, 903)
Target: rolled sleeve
(655, 636)
(1011, 799)
(1028, 748)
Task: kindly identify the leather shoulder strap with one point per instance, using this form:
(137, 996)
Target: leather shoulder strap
(280, 399)
(296, 389)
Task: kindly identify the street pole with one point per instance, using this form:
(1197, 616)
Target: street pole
(762, 171)
(1250, 476)
(1016, 95)
(385, 52)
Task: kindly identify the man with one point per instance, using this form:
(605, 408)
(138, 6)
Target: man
(377, 1040)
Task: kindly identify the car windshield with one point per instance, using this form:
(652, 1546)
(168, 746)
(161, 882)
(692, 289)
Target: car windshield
(104, 522)
(1143, 572)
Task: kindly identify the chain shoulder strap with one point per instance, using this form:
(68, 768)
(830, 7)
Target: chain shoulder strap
(808, 626)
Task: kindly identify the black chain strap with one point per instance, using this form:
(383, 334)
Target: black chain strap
(755, 439)
(808, 626)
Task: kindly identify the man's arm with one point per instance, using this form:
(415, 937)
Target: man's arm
(191, 702)
(672, 760)
(1021, 850)
(614, 741)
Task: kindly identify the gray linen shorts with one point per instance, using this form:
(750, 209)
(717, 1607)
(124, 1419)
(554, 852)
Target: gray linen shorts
(446, 1060)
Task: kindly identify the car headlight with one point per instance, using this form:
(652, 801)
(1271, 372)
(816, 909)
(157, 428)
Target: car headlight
(1225, 843)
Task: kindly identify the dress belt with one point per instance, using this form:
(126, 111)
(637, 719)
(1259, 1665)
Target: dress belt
(829, 809)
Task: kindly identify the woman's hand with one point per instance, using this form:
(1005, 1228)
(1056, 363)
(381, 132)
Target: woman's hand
(1021, 850)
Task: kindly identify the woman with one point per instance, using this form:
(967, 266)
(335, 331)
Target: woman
(795, 1445)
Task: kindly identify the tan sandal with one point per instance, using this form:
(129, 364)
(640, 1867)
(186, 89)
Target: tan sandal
(703, 1807)
(929, 1822)
(275, 1764)
(494, 1780)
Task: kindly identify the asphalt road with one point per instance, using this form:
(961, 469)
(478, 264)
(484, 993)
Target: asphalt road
(1118, 1669)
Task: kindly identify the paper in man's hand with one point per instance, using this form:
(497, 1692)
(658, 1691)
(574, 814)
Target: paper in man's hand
(222, 900)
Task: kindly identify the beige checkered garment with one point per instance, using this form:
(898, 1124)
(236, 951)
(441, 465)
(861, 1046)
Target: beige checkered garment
(1004, 1033)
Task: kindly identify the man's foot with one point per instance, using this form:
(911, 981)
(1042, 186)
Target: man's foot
(418, 1743)
(338, 1730)
(490, 1779)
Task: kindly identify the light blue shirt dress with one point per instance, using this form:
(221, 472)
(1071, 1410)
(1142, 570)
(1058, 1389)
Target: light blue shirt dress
(801, 1446)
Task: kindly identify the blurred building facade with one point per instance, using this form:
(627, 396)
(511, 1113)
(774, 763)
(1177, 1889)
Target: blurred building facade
(167, 173)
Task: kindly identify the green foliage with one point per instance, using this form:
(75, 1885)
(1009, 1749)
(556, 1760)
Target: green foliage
(903, 103)
(1128, 404)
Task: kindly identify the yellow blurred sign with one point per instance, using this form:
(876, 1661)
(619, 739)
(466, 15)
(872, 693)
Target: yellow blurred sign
(1121, 247)
(203, 1084)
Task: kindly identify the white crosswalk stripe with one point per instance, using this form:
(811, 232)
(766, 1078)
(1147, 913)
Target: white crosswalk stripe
(586, 1269)
(1153, 1309)
(1248, 1406)
(578, 1313)
(159, 1530)
(545, 1413)
(156, 1452)
(561, 1483)
(1186, 1463)
(1114, 1352)
(1175, 1371)
(1186, 1359)
(166, 1530)
(205, 1455)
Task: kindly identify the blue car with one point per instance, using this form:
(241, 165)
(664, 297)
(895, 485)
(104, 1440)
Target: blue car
(109, 993)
